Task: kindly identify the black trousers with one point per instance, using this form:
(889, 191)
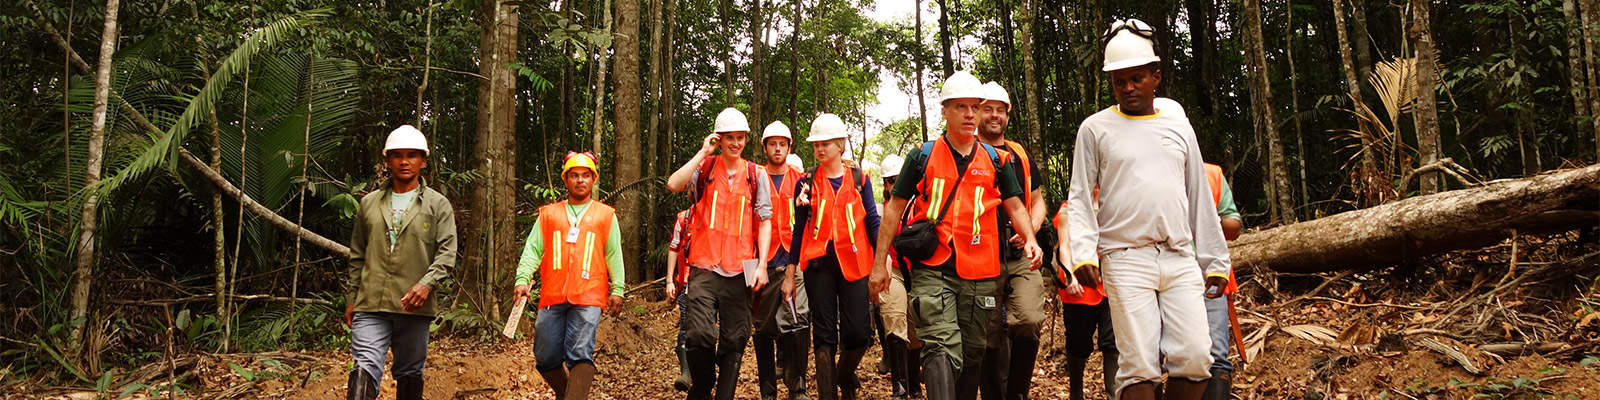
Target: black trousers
(1082, 322)
(717, 328)
(839, 314)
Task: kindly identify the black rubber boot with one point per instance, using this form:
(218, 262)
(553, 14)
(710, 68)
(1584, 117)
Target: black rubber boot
(845, 376)
(827, 387)
(766, 375)
(1075, 366)
(682, 383)
(913, 358)
(1220, 386)
(408, 388)
(797, 345)
(992, 376)
(728, 374)
(702, 373)
(1024, 349)
(894, 354)
(361, 386)
(579, 380)
(940, 376)
(1109, 362)
(557, 378)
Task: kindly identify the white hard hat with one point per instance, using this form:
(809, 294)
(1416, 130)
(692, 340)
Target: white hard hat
(776, 129)
(406, 137)
(796, 162)
(993, 92)
(960, 85)
(731, 120)
(1129, 45)
(826, 127)
(892, 165)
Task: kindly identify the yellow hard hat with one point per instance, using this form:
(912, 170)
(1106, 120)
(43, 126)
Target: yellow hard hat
(581, 160)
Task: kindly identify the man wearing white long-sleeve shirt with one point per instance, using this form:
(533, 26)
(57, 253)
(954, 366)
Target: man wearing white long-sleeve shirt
(1156, 229)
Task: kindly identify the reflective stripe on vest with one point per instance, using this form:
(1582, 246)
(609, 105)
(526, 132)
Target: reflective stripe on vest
(849, 239)
(723, 229)
(589, 284)
(977, 250)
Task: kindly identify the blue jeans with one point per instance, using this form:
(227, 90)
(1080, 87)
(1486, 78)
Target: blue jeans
(1217, 318)
(373, 335)
(564, 333)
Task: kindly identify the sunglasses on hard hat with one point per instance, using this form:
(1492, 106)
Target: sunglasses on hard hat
(1131, 25)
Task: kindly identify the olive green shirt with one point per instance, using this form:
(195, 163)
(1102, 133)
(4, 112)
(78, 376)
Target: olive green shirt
(423, 251)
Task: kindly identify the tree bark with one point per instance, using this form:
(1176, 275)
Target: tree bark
(1294, 98)
(1395, 232)
(82, 276)
(1030, 82)
(652, 134)
(1282, 203)
(922, 98)
(602, 64)
(1426, 114)
(492, 232)
(629, 155)
(1587, 12)
(758, 53)
(1363, 40)
(669, 85)
(1201, 22)
(1575, 74)
(725, 14)
(944, 38)
(1366, 185)
(219, 242)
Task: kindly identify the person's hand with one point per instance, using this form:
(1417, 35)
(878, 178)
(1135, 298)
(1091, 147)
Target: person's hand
(710, 144)
(1073, 288)
(1214, 285)
(1035, 255)
(788, 285)
(1088, 275)
(878, 281)
(350, 315)
(1017, 241)
(672, 291)
(614, 303)
(521, 291)
(1063, 255)
(414, 298)
(803, 198)
(761, 279)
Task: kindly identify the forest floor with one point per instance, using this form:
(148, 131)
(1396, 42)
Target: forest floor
(1329, 336)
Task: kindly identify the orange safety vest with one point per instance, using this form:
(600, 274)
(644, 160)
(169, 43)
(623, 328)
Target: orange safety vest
(838, 217)
(573, 268)
(783, 212)
(724, 226)
(1214, 177)
(968, 231)
(1027, 170)
(1091, 296)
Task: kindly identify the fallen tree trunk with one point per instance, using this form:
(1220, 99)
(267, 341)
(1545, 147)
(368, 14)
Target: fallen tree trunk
(1392, 233)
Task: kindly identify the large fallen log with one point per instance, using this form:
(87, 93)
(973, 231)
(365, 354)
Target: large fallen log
(1392, 233)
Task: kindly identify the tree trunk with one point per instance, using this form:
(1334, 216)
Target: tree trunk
(1030, 82)
(1574, 50)
(652, 135)
(922, 97)
(758, 53)
(944, 39)
(219, 225)
(1202, 17)
(1426, 114)
(1587, 12)
(1294, 98)
(629, 155)
(492, 231)
(1367, 187)
(1363, 39)
(1282, 203)
(599, 91)
(669, 86)
(725, 15)
(82, 276)
(794, 66)
(1407, 229)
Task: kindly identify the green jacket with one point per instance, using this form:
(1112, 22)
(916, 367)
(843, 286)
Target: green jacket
(424, 253)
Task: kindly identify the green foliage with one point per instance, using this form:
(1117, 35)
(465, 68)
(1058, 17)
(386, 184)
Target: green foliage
(1501, 388)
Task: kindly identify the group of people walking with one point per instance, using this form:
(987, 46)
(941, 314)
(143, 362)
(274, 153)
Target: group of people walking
(945, 273)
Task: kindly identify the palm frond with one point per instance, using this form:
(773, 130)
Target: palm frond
(1393, 82)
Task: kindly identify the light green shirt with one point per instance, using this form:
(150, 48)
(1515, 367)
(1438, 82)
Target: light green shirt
(398, 203)
(1225, 205)
(533, 251)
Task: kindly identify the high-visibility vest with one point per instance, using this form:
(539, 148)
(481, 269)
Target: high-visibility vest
(1214, 178)
(573, 269)
(1027, 170)
(783, 211)
(1091, 296)
(723, 232)
(838, 217)
(969, 231)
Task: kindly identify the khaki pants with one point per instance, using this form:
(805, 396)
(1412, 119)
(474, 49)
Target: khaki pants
(892, 306)
(1024, 290)
(953, 315)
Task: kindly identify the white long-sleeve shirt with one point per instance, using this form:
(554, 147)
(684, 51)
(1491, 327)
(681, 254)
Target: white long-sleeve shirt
(1152, 185)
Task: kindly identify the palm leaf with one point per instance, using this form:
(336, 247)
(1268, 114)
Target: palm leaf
(1393, 82)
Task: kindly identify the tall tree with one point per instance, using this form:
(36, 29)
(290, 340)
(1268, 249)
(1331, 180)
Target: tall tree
(493, 203)
(602, 63)
(758, 55)
(1587, 12)
(1294, 96)
(922, 97)
(82, 276)
(1362, 45)
(944, 38)
(1574, 51)
(1030, 82)
(725, 14)
(1366, 182)
(629, 156)
(1426, 114)
(1202, 26)
(1280, 200)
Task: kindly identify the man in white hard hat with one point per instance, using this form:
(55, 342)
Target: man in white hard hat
(904, 361)
(1012, 350)
(959, 184)
(402, 249)
(730, 230)
(1156, 227)
(782, 336)
(571, 299)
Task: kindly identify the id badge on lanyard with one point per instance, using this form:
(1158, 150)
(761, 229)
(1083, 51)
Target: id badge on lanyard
(572, 235)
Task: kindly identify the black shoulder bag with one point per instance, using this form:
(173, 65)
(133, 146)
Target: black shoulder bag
(918, 241)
